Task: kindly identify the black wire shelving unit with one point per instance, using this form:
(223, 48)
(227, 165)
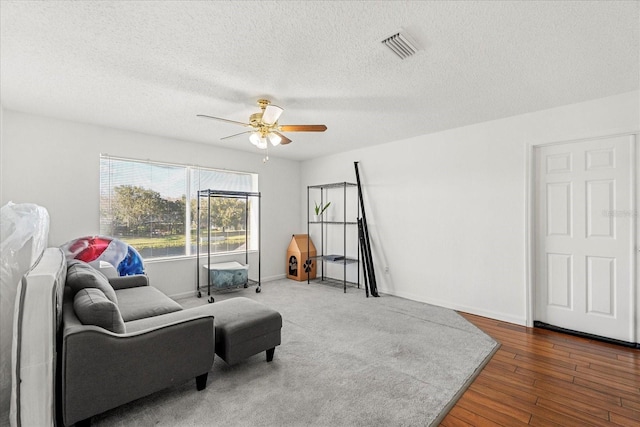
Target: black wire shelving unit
(342, 258)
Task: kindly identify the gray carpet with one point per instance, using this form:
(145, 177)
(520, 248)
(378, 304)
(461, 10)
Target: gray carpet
(345, 360)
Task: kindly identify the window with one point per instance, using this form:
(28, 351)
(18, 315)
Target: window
(153, 207)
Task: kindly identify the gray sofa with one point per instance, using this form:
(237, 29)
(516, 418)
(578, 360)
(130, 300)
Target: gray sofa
(123, 339)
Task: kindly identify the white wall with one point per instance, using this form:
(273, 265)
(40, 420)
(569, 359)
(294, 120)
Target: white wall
(55, 164)
(447, 211)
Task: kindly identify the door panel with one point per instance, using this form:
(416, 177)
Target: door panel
(601, 277)
(600, 203)
(560, 280)
(559, 209)
(583, 248)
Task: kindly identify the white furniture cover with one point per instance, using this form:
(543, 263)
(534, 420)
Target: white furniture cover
(24, 231)
(37, 318)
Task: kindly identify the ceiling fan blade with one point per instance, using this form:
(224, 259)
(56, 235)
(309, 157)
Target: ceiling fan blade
(302, 128)
(237, 134)
(283, 139)
(271, 114)
(224, 120)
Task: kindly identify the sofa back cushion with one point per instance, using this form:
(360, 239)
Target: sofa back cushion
(81, 275)
(93, 308)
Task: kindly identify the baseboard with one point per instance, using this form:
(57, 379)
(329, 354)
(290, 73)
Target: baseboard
(192, 293)
(186, 294)
(459, 307)
(542, 325)
(522, 321)
(273, 278)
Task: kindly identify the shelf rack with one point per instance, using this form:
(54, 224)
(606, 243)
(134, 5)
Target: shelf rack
(234, 195)
(339, 258)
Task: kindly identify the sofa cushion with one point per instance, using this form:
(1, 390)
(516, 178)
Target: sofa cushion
(81, 275)
(93, 308)
(144, 301)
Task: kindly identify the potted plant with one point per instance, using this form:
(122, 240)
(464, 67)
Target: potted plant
(319, 209)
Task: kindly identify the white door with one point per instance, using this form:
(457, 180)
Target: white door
(583, 236)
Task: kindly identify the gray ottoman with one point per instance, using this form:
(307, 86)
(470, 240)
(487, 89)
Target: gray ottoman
(245, 327)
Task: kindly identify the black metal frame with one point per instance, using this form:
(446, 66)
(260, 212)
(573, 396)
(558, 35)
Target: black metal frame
(233, 195)
(322, 257)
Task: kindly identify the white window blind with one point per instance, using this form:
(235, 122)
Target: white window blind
(152, 206)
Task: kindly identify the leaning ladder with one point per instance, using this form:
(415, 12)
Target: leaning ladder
(365, 245)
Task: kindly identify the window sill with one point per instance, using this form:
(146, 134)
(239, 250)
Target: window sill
(193, 257)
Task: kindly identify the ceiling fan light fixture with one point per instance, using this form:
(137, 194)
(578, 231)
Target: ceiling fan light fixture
(264, 126)
(258, 140)
(271, 114)
(274, 139)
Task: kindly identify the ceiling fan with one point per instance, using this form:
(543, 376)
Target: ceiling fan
(265, 128)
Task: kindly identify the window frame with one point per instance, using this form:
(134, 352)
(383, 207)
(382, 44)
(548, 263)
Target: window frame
(191, 190)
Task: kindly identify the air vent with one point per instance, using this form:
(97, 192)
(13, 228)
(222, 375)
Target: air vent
(401, 45)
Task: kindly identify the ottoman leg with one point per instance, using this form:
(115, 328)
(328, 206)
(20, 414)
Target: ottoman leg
(270, 354)
(201, 381)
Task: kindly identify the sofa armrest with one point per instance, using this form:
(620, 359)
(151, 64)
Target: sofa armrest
(102, 370)
(125, 282)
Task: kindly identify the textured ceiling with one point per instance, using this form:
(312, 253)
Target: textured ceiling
(151, 66)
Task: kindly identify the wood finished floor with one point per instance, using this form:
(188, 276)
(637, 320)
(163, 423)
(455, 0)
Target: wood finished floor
(545, 378)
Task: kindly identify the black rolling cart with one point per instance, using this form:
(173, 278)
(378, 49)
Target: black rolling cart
(243, 281)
